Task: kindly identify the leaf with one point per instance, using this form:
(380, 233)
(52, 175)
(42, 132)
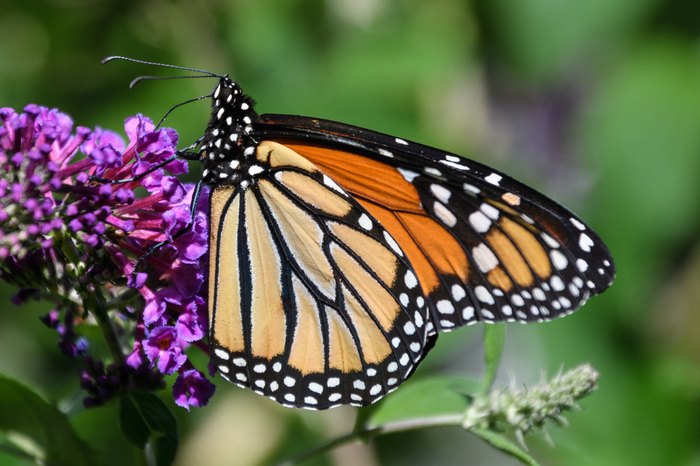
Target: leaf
(503, 444)
(494, 340)
(435, 396)
(39, 429)
(147, 422)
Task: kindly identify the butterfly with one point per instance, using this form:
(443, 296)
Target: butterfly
(337, 254)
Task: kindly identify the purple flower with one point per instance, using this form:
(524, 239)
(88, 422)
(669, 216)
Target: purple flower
(192, 389)
(163, 346)
(71, 229)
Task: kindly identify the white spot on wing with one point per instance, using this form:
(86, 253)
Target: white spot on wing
(483, 295)
(408, 175)
(558, 260)
(316, 387)
(585, 242)
(392, 243)
(582, 265)
(517, 300)
(551, 242)
(538, 294)
(458, 292)
(455, 165)
(410, 279)
(365, 222)
(401, 141)
(444, 214)
(440, 192)
(332, 184)
(471, 189)
(468, 313)
(577, 224)
(445, 307)
(409, 328)
(485, 259)
(493, 179)
(490, 211)
(221, 354)
(557, 283)
(479, 222)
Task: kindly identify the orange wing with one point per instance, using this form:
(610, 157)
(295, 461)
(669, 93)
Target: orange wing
(478, 253)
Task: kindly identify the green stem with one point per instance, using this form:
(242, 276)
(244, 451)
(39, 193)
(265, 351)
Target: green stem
(391, 427)
(122, 300)
(99, 311)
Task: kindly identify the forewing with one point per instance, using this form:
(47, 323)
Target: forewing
(484, 246)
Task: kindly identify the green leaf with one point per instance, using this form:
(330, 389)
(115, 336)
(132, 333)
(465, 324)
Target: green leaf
(38, 429)
(435, 396)
(494, 340)
(503, 444)
(148, 423)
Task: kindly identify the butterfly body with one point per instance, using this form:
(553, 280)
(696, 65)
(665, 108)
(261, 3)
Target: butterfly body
(338, 254)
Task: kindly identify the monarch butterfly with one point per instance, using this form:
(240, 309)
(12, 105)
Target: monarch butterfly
(338, 254)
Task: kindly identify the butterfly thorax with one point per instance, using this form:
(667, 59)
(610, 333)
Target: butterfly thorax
(227, 150)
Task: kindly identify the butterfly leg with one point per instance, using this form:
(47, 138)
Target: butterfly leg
(184, 154)
(193, 211)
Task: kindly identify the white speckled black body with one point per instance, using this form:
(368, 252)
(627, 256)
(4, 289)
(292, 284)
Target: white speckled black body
(227, 149)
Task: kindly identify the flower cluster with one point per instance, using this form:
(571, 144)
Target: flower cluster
(78, 208)
(525, 410)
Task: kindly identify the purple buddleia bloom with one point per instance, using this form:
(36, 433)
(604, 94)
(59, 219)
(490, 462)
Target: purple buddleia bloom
(192, 389)
(164, 348)
(71, 231)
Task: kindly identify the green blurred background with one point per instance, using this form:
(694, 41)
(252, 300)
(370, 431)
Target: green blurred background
(596, 103)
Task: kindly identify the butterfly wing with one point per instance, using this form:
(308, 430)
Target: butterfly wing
(485, 247)
(312, 301)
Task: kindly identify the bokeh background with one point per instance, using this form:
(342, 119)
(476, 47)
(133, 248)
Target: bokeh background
(596, 103)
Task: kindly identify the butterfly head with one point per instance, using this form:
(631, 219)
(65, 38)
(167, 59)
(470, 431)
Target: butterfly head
(231, 107)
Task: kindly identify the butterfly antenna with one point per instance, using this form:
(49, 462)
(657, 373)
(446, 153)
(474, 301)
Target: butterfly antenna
(195, 99)
(163, 65)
